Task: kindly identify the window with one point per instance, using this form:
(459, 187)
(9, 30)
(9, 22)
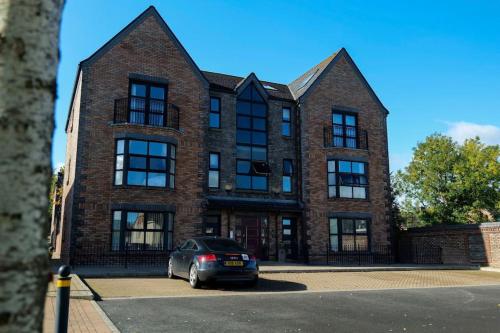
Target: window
(287, 228)
(214, 170)
(344, 126)
(214, 119)
(347, 179)
(134, 230)
(147, 103)
(145, 163)
(251, 140)
(287, 176)
(212, 225)
(348, 234)
(286, 125)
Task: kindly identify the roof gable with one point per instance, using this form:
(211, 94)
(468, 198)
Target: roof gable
(302, 86)
(252, 78)
(151, 11)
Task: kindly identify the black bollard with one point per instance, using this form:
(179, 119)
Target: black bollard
(62, 301)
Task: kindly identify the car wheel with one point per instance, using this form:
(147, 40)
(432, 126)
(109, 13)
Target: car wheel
(170, 270)
(193, 277)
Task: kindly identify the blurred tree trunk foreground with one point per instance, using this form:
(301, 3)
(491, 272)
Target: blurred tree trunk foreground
(29, 55)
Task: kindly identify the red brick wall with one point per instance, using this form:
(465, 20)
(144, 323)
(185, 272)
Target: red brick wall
(341, 86)
(149, 51)
(460, 244)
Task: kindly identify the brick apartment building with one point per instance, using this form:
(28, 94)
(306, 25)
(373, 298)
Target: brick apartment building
(159, 151)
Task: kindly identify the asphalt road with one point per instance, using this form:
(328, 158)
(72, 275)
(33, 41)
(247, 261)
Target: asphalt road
(469, 309)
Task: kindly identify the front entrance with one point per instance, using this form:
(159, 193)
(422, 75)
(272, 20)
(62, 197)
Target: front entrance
(250, 232)
(289, 230)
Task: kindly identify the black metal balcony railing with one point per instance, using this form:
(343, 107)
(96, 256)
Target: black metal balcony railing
(345, 136)
(138, 110)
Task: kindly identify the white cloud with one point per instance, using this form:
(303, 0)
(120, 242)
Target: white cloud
(459, 131)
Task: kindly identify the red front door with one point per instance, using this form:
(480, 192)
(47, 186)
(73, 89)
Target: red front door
(250, 232)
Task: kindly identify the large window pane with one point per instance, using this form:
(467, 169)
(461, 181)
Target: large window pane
(337, 118)
(243, 167)
(243, 107)
(347, 226)
(136, 178)
(214, 161)
(331, 166)
(243, 182)
(244, 137)
(134, 240)
(243, 152)
(332, 191)
(259, 138)
(154, 221)
(259, 110)
(157, 179)
(259, 154)
(137, 162)
(214, 120)
(345, 166)
(158, 164)
(135, 220)
(157, 92)
(348, 243)
(359, 192)
(286, 114)
(243, 122)
(285, 129)
(361, 226)
(120, 146)
(157, 149)
(213, 178)
(214, 104)
(333, 226)
(331, 179)
(259, 183)
(334, 243)
(350, 120)
(345, 191)
(287, 184)
(138, 90)
(119, 178)
(154, 240)
(138, 147)
(259, 124)
(358, 167)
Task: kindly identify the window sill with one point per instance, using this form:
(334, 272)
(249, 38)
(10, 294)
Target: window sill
(139, 187)
(252, 191)
(348, 199)
(345, 148)
(113, 124)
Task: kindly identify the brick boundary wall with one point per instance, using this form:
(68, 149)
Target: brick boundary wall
(460, 244)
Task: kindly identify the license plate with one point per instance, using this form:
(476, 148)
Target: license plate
(233, 263)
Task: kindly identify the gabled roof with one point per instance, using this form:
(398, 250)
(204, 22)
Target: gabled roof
(151, 11)
(230, 82)
(301, 86)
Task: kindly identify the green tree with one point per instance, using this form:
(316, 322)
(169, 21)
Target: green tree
(450, 183)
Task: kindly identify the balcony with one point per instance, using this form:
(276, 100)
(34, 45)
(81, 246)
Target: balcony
(345, 137)
(141, 111)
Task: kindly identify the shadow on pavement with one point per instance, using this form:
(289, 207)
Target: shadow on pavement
(263, 285)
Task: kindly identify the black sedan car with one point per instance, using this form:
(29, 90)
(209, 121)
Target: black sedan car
(206, 259)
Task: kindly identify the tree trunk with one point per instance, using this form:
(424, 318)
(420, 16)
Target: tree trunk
(29, 40)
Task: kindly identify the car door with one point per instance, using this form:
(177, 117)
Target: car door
(185, 255)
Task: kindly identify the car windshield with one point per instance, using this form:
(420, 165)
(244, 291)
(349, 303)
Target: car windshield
(222, 245)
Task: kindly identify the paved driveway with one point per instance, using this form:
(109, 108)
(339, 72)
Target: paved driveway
(295, 282)
(461, 309)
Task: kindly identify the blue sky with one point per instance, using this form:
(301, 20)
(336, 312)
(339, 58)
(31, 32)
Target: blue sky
(434, 64)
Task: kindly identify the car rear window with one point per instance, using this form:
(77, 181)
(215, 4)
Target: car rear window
(222, 245)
